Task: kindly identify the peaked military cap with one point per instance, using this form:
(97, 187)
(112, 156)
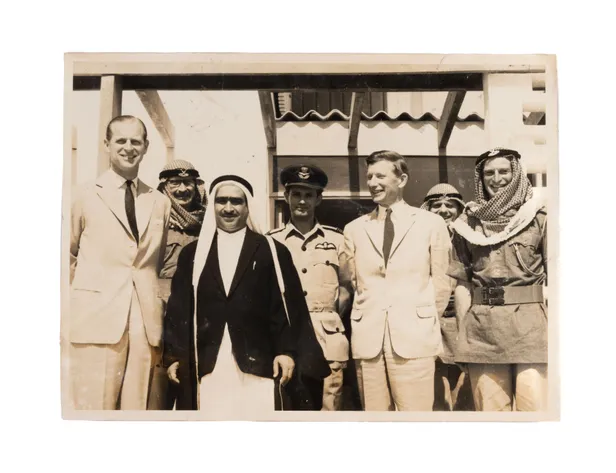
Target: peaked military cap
(305, 175)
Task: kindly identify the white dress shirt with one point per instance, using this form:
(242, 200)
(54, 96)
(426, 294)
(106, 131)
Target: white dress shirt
(229, 248)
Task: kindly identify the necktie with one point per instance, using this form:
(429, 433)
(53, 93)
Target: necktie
(129, 202)
(388, 236)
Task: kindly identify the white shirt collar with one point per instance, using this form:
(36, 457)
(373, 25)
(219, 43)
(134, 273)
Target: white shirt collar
(119, 181)
(231, 237)
(394, 208)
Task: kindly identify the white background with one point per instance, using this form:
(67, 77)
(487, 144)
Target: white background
(34, 38)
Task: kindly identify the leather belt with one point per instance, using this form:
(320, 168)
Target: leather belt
(506, 295)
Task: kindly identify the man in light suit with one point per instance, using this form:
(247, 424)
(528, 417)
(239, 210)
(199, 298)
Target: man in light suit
(118, 233)
(395, 260)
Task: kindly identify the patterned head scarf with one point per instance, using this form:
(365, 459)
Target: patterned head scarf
(442, 191)
(182, 219)
(496, 212)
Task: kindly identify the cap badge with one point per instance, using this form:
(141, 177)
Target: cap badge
(304, 173)
(183, 173)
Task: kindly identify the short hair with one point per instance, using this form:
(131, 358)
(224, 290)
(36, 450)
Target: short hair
(400, 166)
(122, 119)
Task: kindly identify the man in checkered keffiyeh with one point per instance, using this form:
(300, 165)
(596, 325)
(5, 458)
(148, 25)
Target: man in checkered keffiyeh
(181, 183)
(504, 202)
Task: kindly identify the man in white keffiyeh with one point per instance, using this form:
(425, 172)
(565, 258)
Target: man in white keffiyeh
(227, 350)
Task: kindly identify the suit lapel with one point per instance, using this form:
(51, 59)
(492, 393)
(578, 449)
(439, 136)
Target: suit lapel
(113, 198)
(375, 232)
(406, 221)
(248, 249)
(143, 206)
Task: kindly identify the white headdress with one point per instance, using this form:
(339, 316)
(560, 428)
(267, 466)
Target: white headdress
(208, 229)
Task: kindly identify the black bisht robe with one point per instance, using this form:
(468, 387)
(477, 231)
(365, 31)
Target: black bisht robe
(253, 310)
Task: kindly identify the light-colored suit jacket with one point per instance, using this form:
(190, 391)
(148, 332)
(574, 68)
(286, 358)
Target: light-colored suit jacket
(106, 261)
(410, 293)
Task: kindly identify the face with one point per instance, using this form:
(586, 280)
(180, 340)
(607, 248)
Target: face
(385, 187)
(231, 208)
(302, 202)
(497, 173)
(126, 147)
(446, 208)
(182, 189)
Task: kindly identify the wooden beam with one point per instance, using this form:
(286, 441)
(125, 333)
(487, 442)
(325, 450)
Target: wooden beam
(534, 118)
(357, 103)
(443, 175)
(269, 118)
(110, 107)
(195, 63)
(292, 82)
(156, 110)
(453, 103)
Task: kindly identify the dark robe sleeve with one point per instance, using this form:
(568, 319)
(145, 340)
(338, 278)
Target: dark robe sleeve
(177, 331)
(310, 360)
(283, 334)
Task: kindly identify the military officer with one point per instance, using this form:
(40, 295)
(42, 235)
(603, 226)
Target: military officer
(315, 249)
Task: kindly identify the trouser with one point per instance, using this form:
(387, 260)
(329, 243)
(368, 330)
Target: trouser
(519, 387)
(452, 389)
(332, 387)
(389, 381)
(114, 376)
(162, 391)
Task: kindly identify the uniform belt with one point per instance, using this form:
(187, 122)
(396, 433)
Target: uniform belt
(500, 295)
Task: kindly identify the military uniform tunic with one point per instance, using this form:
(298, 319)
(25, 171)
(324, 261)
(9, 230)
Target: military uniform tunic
(315, 256)
(515, 333)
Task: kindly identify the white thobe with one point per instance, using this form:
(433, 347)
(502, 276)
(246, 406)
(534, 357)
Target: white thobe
(228, 393)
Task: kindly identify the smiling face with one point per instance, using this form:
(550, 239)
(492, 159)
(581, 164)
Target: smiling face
(446, 208)
(182, 189)
(302, 202)
(231, 208)
(385, 186)
(497, 174)
(126, 146)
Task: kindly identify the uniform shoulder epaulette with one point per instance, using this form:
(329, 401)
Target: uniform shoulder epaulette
(275, 230)
(333, 229)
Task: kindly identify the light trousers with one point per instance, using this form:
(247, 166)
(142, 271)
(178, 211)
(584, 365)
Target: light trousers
(108, 377)
(390, 382)
(517, 387)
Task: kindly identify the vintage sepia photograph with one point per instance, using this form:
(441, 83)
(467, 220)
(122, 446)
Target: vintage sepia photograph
(314, 237)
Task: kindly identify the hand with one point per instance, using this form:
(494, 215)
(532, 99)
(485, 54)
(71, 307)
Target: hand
(284, 365)
(172, 372)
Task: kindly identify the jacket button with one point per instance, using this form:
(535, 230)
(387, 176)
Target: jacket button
(327, 263)
(305, 293)
(303, 248)
(304, 270)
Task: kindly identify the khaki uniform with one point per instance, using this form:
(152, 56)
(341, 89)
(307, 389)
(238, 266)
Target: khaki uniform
(315, 256)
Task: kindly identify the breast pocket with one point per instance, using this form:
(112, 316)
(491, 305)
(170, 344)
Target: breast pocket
(524, 249)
